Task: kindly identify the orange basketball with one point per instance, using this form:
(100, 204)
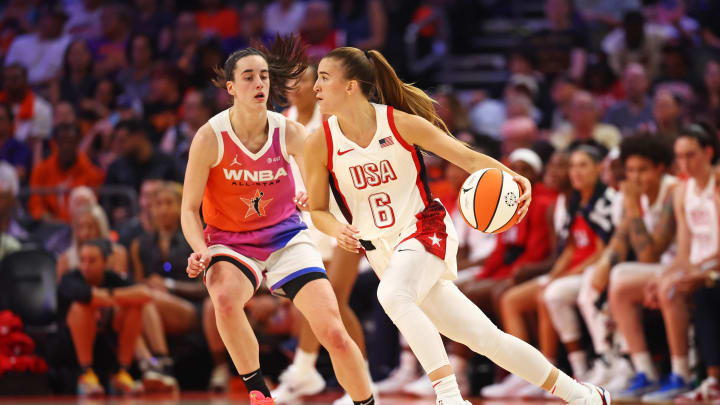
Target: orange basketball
(488, 200)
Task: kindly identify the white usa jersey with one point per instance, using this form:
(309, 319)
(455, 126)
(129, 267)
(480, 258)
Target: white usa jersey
(379, 188)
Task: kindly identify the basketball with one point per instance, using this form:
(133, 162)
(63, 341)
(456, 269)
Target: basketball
(488, 200)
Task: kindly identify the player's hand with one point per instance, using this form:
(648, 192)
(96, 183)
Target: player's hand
(156, 283)
(197, 263)
(650, 299)
(301, 201)
(524, 200)
(347, 238)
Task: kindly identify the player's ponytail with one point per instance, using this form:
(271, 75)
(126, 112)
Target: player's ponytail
(379, 82)
(286, 61)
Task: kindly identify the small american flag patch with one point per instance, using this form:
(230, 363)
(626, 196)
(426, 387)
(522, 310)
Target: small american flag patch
(385, 142)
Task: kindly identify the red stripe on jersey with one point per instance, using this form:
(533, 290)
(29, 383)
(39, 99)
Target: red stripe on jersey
(413, 152)
(340, 198)
(328, 145)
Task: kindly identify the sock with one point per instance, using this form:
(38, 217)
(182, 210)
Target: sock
(680, 366)
(565, 387)
(304, 361)
(255, 382)
(447, 388)
(578, 362)
(643, 364)
(369, 401)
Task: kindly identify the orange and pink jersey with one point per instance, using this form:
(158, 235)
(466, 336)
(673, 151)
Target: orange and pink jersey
(248, 201)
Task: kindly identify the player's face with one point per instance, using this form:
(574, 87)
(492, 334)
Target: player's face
(251, 83)
(86, 228)
(556, 173)
(331, 85)
(165, 208)
(690, 157)
(643, 172)
(583, 171)
(303, 93)
(92, 263)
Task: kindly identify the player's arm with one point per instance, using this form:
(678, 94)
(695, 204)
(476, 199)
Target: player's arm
(666, 228)
(615, 253)
(203, 154)
(419, 131)
(683, 232)
(295, 136)
(318, 186)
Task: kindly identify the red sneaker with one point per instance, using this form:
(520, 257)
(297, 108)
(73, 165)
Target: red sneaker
(257, 398)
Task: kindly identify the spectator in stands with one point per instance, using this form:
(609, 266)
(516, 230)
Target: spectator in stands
(139, 160)
(562, 93)
(708, 106)
(695, 207)
(584, 125)
(9, 186)
(41, 52)
(109, 48)
(672, 17)
(89, 223)
(85, 295)
(141, 223)
(452, 111)
(605, 14)
(197, 109)
(708, 23)
(363, 21)
(667, 114)
(140, 54)
(151, 20)
(586, 231)
(637, 42)
(676, 70)
(214, 18)
(560, 47)
(253, 29)
(517, 133)
(76, 81)
(636, 110)
(64, 169)
(159, 259)
(186, 37)
(486, 114)
(318, 32)
(164, 98)
(284, 16)
(84, 19)
(33, 115)
(12, 151)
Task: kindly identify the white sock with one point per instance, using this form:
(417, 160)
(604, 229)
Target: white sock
(304, 361)
(643, 364)
(680, 366)
(567, 388)
(578, 362)
(447, 388)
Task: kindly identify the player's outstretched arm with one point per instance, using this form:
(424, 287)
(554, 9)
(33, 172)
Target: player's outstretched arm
(318, 187)
(419, 131)
(203, 155)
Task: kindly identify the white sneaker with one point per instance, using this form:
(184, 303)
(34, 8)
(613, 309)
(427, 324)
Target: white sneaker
(593, 396)
(504, 389)
(445, 401)
(295, 384)
(421, 387)
(530, 391)
(621, 376)
(397, 379)
(220, 378)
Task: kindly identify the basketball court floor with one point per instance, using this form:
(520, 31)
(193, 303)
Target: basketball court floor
(205, 399)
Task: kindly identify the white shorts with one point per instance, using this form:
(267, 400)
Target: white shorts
(325, 243)
(286, 270)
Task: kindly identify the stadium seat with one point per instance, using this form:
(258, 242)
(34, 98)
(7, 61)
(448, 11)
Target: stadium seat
(28, 288)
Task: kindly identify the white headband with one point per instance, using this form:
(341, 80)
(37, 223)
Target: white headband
(528, 156)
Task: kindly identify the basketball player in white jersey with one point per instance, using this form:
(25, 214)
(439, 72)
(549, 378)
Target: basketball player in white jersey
(696, 216)
(301, 378)
(239, 170)
(372, 155)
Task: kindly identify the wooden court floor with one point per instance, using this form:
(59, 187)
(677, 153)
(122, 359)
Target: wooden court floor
(206, 399)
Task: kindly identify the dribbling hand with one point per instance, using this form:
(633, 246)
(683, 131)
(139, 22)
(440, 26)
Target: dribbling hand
(197, 263)
(347, 238)
(524, 200)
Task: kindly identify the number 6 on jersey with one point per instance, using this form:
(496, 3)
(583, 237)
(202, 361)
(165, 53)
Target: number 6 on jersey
(383, 214)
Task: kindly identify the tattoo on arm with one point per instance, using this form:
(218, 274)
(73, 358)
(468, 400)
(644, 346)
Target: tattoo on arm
(614, 258)
(666, 227)
(640, 239)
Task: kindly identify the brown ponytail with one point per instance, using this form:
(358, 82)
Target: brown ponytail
(286, 61)
(379, 82)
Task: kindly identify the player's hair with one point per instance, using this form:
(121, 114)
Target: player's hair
(378, 81)
(650, 146)
(104, 245)
(286, 61)
(705, 135)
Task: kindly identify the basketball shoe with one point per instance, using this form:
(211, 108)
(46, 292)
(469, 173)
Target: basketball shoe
(592, 395)
(295, 383)
(89, 385)
(257, 398)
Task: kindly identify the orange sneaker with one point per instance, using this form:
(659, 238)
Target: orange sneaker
(89, 385)
(257, 398)
(122, 383)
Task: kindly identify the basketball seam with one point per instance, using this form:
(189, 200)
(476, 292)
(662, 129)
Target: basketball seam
(512, 216)
(475, 196)
(502, 182)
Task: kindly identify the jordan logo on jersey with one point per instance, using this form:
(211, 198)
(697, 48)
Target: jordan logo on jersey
(371, 174)
(256, 204)
(235, 162)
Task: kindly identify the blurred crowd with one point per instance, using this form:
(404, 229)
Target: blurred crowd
(610, 108)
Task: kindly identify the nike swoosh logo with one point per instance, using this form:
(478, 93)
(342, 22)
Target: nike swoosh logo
(248, 378)
(465, 190)
(342, 152)
(406, 250)
(368, 402)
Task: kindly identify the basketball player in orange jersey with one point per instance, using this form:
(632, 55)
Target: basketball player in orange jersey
(372, 154)
(239, 170)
